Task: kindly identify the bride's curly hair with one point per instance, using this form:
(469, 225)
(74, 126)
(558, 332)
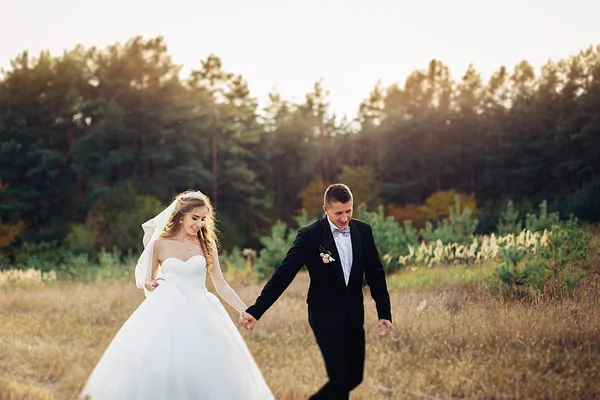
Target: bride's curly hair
(186, 202)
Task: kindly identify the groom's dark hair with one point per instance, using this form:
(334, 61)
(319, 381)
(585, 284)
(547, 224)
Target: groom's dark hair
(338, 192)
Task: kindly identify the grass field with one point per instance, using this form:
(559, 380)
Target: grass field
(450, 340)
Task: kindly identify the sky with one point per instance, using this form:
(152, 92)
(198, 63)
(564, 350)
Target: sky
(288, 46)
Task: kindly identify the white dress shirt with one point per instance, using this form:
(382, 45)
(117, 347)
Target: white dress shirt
(344, 248)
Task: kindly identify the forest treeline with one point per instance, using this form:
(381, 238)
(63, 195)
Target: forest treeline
(95, 141)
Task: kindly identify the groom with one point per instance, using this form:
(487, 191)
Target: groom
(338, 252)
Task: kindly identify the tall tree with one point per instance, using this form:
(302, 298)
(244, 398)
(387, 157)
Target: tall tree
(212, 78)
(466, 131)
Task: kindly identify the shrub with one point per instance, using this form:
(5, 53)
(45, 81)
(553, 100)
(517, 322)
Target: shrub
(457, 228)
(557, 265)
(391, 239)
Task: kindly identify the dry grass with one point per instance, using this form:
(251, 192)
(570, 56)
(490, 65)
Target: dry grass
(448, 342)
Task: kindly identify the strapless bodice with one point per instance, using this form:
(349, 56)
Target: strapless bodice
(191, 272)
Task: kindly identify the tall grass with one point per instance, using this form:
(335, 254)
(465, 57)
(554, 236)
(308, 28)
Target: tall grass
(450, 340)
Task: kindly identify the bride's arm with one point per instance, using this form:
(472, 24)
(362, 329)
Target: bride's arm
(221, 286)
(151, 283)
(158, 244)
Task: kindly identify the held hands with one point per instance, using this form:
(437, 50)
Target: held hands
(383, 328)
(247, 321)
(152, 284)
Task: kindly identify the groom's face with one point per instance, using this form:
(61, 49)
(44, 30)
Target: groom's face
(339, 213)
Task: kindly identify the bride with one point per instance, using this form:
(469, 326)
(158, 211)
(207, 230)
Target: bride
(180, 343)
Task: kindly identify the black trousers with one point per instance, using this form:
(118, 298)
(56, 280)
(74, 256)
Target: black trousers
(344, 356)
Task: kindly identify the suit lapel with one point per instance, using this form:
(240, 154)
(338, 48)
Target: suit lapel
(356, 238)
(329, 244)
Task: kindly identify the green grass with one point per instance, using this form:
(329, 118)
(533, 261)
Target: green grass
(424, 277)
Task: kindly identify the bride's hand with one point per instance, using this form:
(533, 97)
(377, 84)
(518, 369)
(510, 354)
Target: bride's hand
(150, 284)
(247, 321)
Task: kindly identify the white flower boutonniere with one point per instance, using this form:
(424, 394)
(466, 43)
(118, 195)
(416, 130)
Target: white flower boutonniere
(325, 255)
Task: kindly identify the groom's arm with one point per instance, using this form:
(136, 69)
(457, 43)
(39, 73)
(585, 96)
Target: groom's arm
(375, 276)
(282, 277)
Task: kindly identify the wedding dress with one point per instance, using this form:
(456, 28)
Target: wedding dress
(179, 344)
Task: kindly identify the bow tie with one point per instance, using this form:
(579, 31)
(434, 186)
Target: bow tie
(337, 231)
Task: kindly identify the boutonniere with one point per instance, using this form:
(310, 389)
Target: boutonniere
(325, 255)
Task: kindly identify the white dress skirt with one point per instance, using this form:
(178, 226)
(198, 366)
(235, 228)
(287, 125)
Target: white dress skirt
(179, 344)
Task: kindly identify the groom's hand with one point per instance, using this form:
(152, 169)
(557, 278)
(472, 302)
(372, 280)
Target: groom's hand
(247, 321)
(384, 327)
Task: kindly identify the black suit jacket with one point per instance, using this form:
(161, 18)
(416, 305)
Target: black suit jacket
(330, 300)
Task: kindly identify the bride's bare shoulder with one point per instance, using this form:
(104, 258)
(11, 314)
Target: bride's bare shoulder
(162, 241)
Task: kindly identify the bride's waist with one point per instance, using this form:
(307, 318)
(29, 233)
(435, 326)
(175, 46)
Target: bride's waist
(187, 281)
